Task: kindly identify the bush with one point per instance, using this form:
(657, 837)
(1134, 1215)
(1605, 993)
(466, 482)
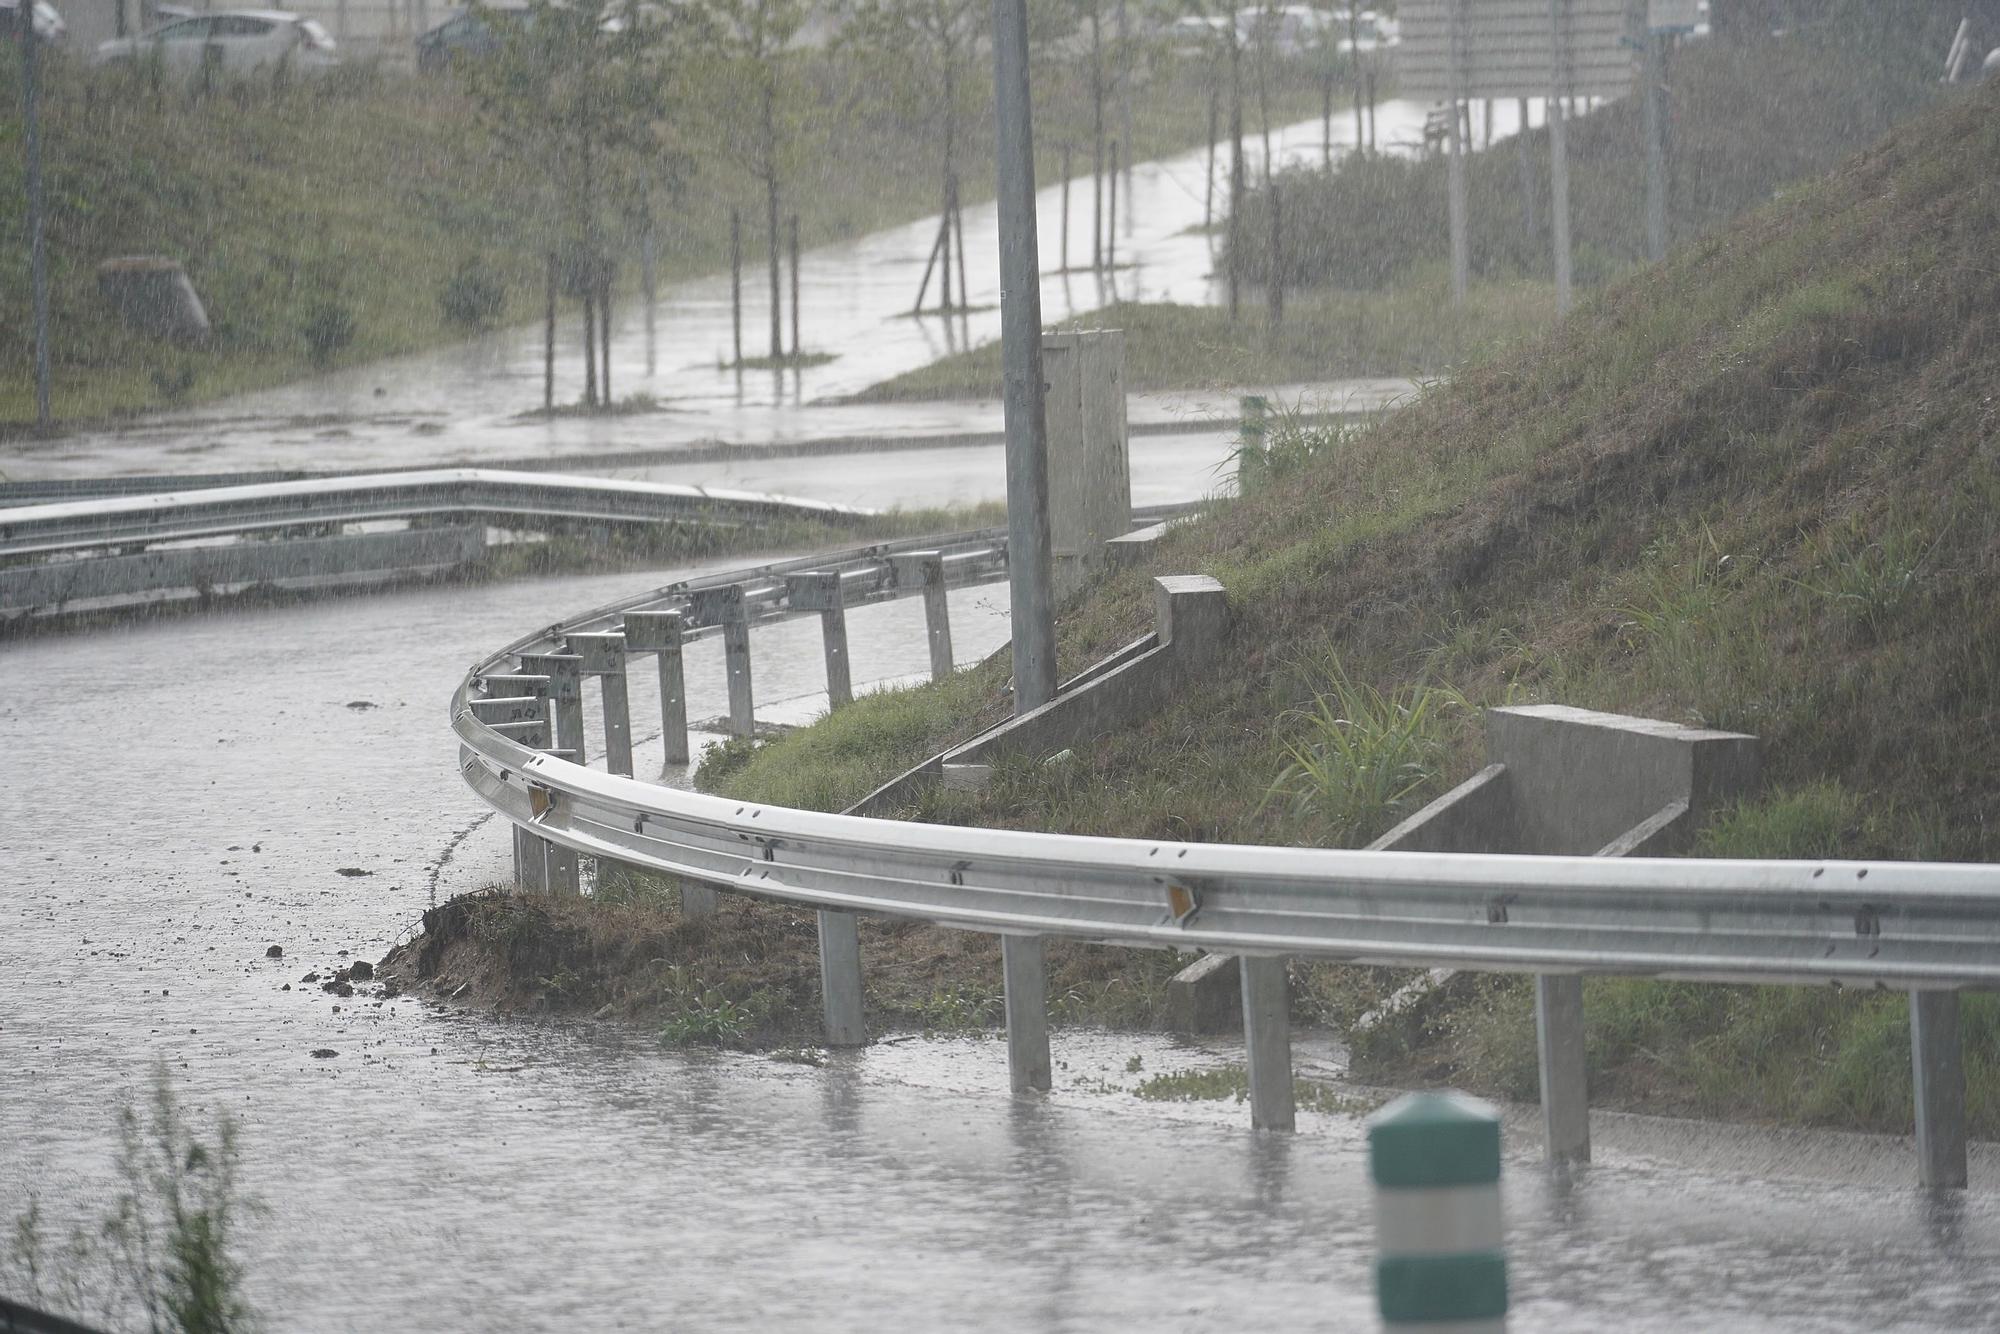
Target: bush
(472, 297)
(328, 328)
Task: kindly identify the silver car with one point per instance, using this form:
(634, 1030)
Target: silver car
(234, 40)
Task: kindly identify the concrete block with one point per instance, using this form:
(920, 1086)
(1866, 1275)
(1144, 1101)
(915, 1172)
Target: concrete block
(1206, 996)
(1475, 816)
(1581, 779)
(1191, 613)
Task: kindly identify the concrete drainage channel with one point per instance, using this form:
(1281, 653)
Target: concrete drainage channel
(1469, 883)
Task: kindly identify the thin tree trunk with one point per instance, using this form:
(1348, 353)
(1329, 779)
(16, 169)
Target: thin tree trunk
(604, 337)
(589, 348)
(549, 341)
(736, 286)
(771, 214)
(795, 285)
(1214, 107)
(1096, 141)
(1235, 173)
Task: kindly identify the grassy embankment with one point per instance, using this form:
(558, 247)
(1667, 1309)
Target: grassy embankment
(1753, 487)
(365, 193)
(1365, 250)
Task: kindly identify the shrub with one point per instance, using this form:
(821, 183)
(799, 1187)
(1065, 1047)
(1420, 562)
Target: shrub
(327, 328)
(472, 297)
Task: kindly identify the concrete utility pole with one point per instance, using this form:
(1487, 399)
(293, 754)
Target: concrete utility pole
(1559, 151)
(1028, 555)
(38, 256)
(1461, 266)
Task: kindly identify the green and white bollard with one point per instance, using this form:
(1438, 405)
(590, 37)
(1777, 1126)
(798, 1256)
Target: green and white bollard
(1440, 1265)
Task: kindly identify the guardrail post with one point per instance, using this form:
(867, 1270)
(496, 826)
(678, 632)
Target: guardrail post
(1441, 1262)
(725, 607)
(563, 875)
(603, 656)
(1559, 1049)
(1024, 974)
(659, 632)
(565, 674)
(840, 979)
(1267, 1039)
(927, 569)
(819, 590)
(1938, 1070)
(531, 867)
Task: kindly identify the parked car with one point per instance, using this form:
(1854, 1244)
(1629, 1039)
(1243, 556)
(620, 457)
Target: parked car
(49, 25)
(235, 40)
(467, 35)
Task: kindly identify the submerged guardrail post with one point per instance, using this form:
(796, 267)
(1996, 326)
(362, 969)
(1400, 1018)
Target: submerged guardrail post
(1440, 1257)
(1559, 1052)
(926, 568)
(659, 632)
(819, 590)
(725, 607)
(1024, 975)
(517, 706)
(565, 673)
(1938, 1081)
(1267, 1041)
(603, 656)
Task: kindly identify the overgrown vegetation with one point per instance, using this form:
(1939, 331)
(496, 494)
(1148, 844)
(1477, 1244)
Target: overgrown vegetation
(1837, 82)
(163, 1255)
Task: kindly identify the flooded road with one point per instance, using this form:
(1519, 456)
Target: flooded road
(196, 788)
(471, 403)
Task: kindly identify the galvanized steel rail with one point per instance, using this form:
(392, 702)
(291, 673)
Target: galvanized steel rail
(497, 496)
(1930, 929)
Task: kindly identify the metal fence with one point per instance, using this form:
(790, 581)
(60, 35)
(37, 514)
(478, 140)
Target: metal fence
(1930, 929)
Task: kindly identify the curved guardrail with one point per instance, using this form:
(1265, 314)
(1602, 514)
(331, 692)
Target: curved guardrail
(79, 525)
(1927, 928)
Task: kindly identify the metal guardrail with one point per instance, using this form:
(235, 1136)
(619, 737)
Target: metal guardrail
(83, 525)
(1926, 928)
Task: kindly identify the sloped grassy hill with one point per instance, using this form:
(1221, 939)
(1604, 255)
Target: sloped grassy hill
(1753, 487)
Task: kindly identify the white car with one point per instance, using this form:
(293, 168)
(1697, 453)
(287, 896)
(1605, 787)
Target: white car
(235, 40)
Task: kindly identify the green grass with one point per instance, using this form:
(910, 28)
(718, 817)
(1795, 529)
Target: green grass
(1325, 335)
(1749, 488)
(369, 198)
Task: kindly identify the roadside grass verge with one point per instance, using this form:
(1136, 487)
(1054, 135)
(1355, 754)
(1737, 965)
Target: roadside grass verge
(1412, 330)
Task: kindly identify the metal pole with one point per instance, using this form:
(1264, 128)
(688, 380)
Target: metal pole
(1267, 1041)
(1455, 172)
(1028, 557)
(1656, 154)
(1559, 154)
(660, 632)
(937, 616)
(38, 257)
(1024, 978)
(1559, 1045)
(840, 980)
(1938, 1077)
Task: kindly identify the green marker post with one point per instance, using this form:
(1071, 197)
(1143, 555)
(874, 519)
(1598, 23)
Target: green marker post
(1440, 1262)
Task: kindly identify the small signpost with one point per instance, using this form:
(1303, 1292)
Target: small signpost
(1457, 50)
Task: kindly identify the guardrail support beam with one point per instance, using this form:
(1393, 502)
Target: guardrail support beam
(1024, 972)
(1938, 1071)
(928, 567)
(603, 656)
(659, 632)
(819, 590)
(565, 673)
(1559, 1048)
(531, 870)
(840, 979)
(1267, 1042)
(562, 874)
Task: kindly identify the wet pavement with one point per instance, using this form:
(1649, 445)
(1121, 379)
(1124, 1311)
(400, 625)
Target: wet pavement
(198, 786)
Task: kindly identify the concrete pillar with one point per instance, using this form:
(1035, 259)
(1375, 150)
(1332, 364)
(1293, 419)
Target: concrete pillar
(1559, 1046)
(1267, 1040)
(659, 633)
(602, 655)
(819, 590)
(565, 674)
(840, 979)
(1025, 976)
(1938, 1070)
